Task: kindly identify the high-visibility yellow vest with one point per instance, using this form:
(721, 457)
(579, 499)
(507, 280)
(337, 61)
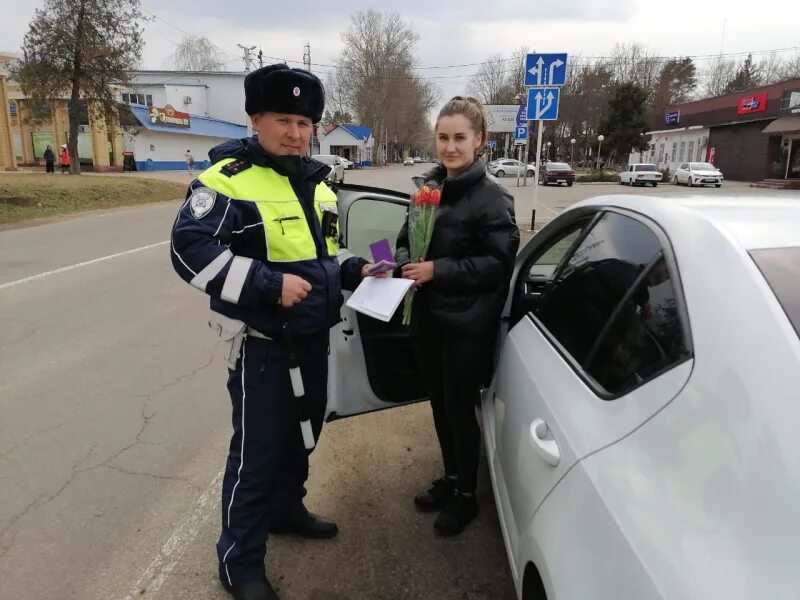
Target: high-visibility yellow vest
(289, 237)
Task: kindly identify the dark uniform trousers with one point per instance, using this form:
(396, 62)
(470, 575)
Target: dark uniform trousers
(267, 465)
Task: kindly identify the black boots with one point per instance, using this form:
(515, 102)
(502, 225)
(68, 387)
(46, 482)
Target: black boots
(434, 498)
(458, 511)
(316, 528)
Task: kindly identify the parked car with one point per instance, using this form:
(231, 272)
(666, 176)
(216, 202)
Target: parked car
(348, 164)
(417, 159)
(336, 173)
(640, 174)
(511, 166)
(409, 161)
(693, 174)
(558, 173)
(640, 428)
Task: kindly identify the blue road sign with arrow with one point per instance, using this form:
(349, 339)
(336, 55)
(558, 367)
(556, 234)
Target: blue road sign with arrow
(545, 69)
(543, 103)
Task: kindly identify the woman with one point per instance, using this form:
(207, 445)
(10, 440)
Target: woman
(461, 287)
(64, 159)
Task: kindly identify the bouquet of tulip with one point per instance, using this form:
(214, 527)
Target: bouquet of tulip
(421, 218)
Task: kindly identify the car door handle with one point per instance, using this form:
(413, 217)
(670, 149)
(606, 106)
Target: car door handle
(547, 449)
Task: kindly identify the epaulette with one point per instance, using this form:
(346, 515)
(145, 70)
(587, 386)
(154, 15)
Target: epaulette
(235, 167)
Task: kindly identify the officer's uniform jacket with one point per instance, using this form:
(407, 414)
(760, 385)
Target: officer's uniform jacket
(250, 218)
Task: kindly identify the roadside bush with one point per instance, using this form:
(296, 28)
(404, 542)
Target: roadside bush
(597, 176)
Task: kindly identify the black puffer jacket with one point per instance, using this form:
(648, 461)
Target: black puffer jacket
(475, 241)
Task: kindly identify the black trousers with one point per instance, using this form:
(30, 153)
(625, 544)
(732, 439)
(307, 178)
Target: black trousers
(454, 367)
(50, 167)
(264, 483)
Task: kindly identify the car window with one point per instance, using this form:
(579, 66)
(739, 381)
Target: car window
(781, 269)
(684, 166)
(591, 308)
(643, 338)
(545, 266)
(562, 166)
(369, 220)
(646, 168)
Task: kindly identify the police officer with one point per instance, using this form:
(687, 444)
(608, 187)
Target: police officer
(259, 234)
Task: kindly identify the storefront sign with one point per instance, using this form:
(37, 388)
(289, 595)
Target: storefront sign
(169, 116)
(711, 153)
(672, 118)
(752, 104)
(794, 102)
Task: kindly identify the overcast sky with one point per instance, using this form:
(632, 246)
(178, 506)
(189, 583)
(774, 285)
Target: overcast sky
(466, 31)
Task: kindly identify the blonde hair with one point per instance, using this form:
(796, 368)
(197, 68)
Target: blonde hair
(472, 109)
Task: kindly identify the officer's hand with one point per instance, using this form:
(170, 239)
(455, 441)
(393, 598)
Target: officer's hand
(295, 289)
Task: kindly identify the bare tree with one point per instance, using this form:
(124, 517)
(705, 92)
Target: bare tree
(634, 63)
(718, 75)
(490, 82)
(196, 53)
(80, 49)
(790, 67)
(376, 70)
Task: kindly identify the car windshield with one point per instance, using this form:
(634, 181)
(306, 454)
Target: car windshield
(781, 268)
(703, 167)
(559, 166)
(645, 168)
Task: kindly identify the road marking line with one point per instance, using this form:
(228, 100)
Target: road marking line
(78, 265)
(156, 575)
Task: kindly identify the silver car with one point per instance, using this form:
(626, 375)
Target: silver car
(336, 174)
(510, 166)
(640, 428)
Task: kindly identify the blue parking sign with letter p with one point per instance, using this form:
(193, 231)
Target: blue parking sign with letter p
(521, 133)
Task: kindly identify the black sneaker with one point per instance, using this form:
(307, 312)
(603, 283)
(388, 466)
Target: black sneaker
(436, 496)
(459, 510)
(251, 590)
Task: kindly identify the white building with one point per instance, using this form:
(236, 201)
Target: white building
(200, 110)
(353, 142)
(670, 148)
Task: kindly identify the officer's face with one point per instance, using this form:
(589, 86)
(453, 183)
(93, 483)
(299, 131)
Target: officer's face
(283, 134)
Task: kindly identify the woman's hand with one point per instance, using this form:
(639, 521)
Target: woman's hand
(421, 272)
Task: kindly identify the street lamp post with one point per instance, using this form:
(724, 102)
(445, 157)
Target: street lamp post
(572, 153)
(547, 153)
(600, 139)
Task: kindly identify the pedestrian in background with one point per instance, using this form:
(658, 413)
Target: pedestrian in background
(189, 162)
(63, 158)
(49, 160)
(464, 281)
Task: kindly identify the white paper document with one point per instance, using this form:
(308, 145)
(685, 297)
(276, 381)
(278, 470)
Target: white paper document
(379, 297)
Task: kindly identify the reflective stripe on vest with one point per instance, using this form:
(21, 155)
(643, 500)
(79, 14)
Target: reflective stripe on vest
(288, 235)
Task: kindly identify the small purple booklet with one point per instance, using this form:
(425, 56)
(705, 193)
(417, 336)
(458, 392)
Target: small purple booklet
(382, 257)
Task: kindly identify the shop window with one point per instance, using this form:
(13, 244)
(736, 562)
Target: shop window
(12, 109)
(699, 152)
(660, 152)
(674, 150)
(149, 99)
(683, 152)
(690, 151)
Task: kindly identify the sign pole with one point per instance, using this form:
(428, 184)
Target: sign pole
(536, 173)
(525, 162)
(519, 156)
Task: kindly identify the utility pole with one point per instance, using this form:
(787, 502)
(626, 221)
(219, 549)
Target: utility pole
(247, 62)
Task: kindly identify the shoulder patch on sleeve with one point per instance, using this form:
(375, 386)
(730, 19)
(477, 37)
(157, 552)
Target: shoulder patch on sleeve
(235, 167)
(202, 201)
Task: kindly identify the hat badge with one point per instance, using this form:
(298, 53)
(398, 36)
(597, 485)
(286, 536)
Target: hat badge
(296, 91)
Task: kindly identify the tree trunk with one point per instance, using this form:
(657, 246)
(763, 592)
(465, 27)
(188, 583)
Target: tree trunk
(72, 144)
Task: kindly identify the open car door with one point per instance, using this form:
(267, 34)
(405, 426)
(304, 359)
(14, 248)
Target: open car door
(371, 364)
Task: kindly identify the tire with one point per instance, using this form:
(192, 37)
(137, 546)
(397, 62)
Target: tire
(689, 182)
(531, 173)
(717, 185)
(500, 173)
(655, 184)
(569, 184)
(675, 180)
(621, 182)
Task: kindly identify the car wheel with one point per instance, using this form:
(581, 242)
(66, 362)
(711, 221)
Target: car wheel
(569, 184)
(689, 182)
(530, 173)
(718, 185)
(500, 173)
(654, 184)
(675, 180)
(621, 182)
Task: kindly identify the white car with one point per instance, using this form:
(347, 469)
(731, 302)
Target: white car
(348, 164)
(640, 174)
(511, 166)
(409, 161)
(693, 174)
(336, 174)
(641, 427)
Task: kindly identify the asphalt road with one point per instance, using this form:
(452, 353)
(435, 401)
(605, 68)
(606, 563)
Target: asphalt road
(114, 425)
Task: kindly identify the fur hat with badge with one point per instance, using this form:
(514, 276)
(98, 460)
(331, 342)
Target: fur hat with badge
(277, 88)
